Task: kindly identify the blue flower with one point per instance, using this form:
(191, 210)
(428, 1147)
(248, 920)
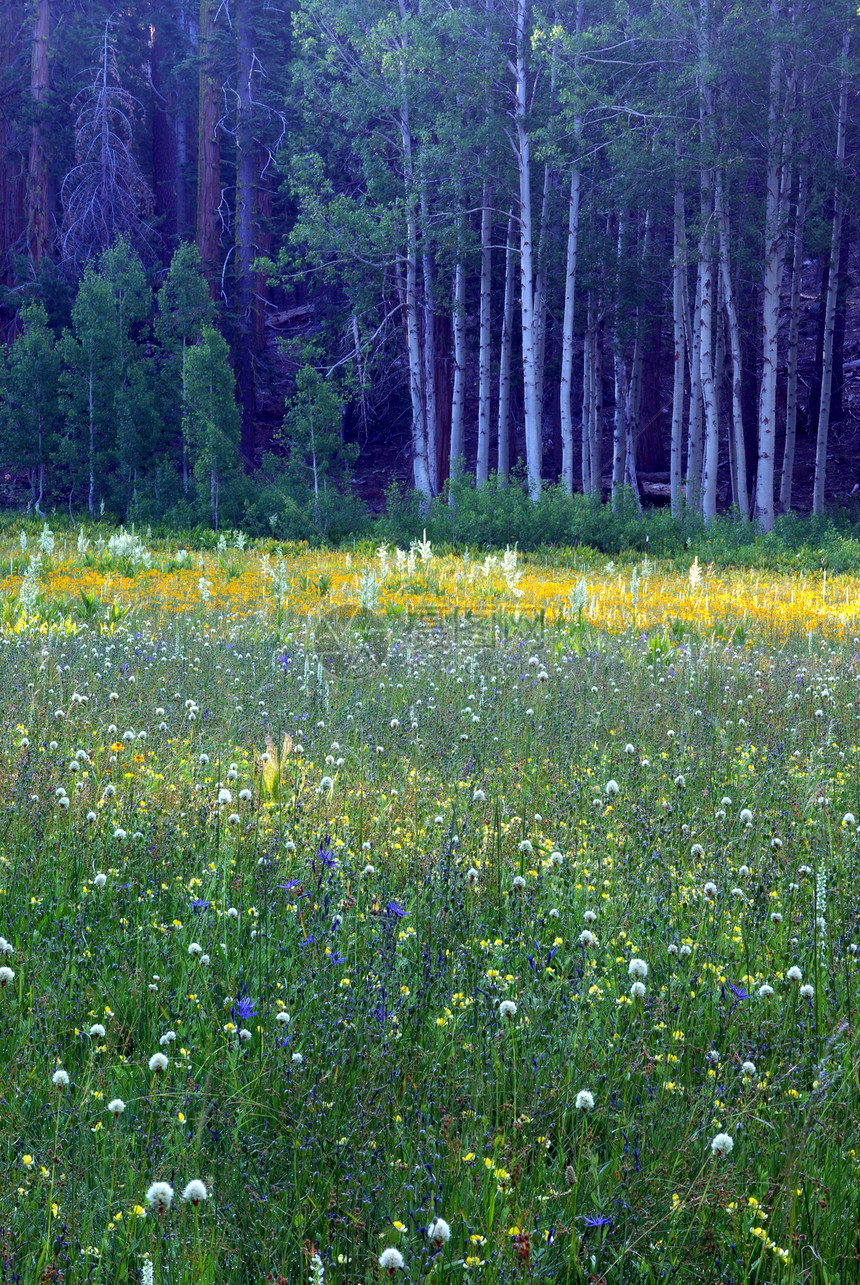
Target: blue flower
(244, 1008)
(396, 911)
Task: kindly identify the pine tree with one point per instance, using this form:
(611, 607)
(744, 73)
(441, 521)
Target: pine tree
(212, 420)
(31, 414)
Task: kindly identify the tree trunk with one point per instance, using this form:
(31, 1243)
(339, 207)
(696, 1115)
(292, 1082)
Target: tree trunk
(566, 388)
(764, 510)
(787, 479)
(711, 451)
(740, 491)
(504, 456)
(587, 400)
(430, 390)
(458, 396)
(246, 172)
(38, 229)
(832, 291)
(679, 268)
(694, 431)
(208, 150)
(527, 282)
(482, 464)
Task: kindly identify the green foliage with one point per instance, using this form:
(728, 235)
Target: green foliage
(212, 420)
(31, 413)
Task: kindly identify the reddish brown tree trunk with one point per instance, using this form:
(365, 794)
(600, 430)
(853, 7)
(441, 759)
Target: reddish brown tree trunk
(246, 173)
(208, 150)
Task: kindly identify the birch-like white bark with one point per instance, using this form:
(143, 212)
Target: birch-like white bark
(832, 291)
(787, 478)
(482, 465)
(739, 469)
(566, 384)
(527, 281)
(458, 397)
(679, 268)
(505, 352)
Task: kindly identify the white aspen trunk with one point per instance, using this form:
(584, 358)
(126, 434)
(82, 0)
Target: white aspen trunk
(567, 330)
(459, 392)
(619, 434)
(736, 435)
(430, 402)
(694, 432)
(409, 291)
(527, 283)
(710, 455)
(764, 511)
(679, 267)
(503, 464)
(832, 291)
(787, 478)
(540, 296)
(482, 465)
(587, 399)
(595, 437)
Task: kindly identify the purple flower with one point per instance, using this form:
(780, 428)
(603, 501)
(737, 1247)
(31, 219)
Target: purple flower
(396, 911)
(327, 857)
(199, 905)
(244, 1008)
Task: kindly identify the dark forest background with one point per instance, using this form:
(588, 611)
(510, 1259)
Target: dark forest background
(258, 261)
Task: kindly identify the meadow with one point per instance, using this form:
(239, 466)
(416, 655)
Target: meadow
(382, 914)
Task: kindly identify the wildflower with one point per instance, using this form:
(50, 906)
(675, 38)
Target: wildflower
(587, 938)
(27, 1162)
(60, 1078)
(629, 749)
(478, 796)
(64, 802)
(120, 834)
(637, 990)
(776, 918)
(848, 819)
(637, 968)
(807, 991)
(710, 890)
(519, 883)
(244, 1035)
(91, 820)
(743, 872)
(745, 816)
(116, 1106)
(712, 1057)
(160, 1197)
(158, 1062)
(369, 869)
(472, 877)
(748, 1068)
(224, 796)
(672, 949)
(765, 991)
(776, 843)
(169, 1037)
(507, 1008)
(326, 783)
(611, 788)
(680, 782)
(195, 1192)
(439, 1232)
(584, 1100)
(590, 916)
(525, 845)
(195, 950)
(100, 880)
(391, 1260)
(685, 951)
(722, 1144)
(232, 913)
(556, 859)
(283, 1018)
(794, 974)
(7, 976)
(97, 1031)
(245, 796)
(697, 852)
(234, 818)
(297, 1059)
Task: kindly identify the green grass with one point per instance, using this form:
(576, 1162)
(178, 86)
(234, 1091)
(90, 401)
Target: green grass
(413, 1098)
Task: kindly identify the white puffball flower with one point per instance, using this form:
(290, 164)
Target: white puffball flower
(776, 843)
(848, 819)
(611, 788)
(697, 852)
(637, 990)
(283, 1017)
(119, 834)
(245, 796)
(584, 1100)
(7, 975)
(60, 1078)
(745, 816)
(587, 938)
(195, 950)
(748, 1068)
(169, 1037)
(712, 1057)
(439, 1232)
(224, 796)
(326, 783)
(297, 1059)
(672, 949)
(158, 1062)
(518, 882)
(556, 859)
(794, 974)
(685, 951)
(525, 845)
(97, 1031)
(776, 918)
(807, 991)
(391, 1260)
(472, 877)
(553, 914)
(116, 1106)
(160, 1197)
(722, 1144)
(100, 880)
(195, 1192)
(680, 782)
(234, 819)
(479, 796)
(725, 801)
(743, 871)
(232, 913)
(765, 991)
(91, 818)
(590, 916)
(508, 1009)
(710, 889)
(244, 1035)
(369, 869)
(637, 968)
(64, 802)
(629, 749)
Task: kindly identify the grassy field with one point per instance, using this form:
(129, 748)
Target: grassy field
(434, 918)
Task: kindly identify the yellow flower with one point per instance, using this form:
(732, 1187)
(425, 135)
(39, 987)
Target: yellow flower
(27, 1161)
